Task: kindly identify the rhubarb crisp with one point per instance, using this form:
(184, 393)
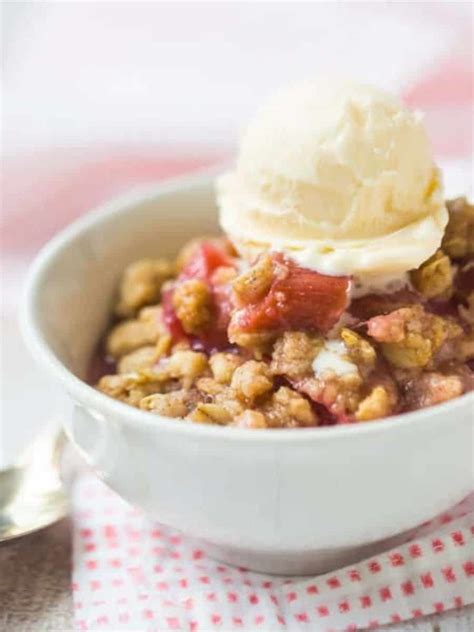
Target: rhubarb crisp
(211, 339)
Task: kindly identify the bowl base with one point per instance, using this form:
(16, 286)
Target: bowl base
(294, 563)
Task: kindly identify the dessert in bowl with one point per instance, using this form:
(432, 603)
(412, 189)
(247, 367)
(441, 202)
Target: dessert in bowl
(258, 394)
(342, 292)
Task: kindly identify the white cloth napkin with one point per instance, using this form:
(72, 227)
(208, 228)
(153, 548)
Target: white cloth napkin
(131, 574)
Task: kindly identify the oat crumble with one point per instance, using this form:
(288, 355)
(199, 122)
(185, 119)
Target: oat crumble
(200, 340)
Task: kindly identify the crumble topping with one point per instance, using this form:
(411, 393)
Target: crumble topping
(206, 339)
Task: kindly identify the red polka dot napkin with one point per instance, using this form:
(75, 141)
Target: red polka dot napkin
(131, 574)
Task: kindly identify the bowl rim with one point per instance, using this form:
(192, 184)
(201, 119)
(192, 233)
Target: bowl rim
(103, 404)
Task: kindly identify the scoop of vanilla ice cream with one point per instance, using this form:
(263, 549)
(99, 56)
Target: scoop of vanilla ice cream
(338, 176)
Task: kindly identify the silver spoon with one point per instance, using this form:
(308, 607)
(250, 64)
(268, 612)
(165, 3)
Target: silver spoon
(31, 492)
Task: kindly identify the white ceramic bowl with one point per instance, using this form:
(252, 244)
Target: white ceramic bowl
(288, 501)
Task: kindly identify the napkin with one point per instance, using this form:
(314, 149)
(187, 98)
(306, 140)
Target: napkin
(132, 574)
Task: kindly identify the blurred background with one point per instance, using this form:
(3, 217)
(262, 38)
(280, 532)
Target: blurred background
(102, 96)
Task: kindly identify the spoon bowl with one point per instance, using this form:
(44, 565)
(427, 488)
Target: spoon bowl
(31, 491)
